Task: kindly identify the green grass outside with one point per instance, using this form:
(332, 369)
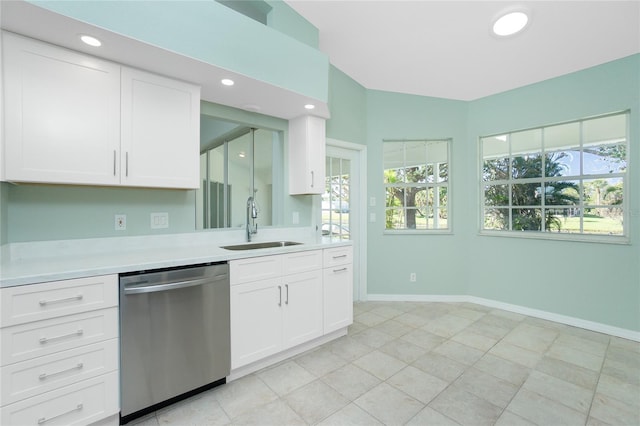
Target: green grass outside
(592, 225)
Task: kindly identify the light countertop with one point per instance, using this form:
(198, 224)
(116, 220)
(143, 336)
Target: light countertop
(35, 262)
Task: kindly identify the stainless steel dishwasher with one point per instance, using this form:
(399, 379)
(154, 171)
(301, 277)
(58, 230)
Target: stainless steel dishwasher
(174, 335)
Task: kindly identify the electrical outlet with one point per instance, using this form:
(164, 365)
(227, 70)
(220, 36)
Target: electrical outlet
(412, 277)
(121, 222)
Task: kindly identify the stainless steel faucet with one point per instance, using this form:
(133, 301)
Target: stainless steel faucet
(252, 215)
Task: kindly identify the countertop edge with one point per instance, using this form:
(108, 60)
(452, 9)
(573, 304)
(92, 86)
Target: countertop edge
(18, 272)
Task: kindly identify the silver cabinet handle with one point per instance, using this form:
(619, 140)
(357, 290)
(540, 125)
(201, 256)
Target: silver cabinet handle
(280, 290)
(126, 164)
(173, 286)
(287, 300)
(114, 162)
(44, 376)
(339, 270)
(341, 256)
(43, 420)
(44, 340)
(66, 299)
(312, 178)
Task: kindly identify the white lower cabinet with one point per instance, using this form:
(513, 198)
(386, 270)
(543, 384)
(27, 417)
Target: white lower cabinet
(82, 403)
(302, 313)
(256, 321)
(59, 352)
(272, 314)
(338, 288)
(283, 301)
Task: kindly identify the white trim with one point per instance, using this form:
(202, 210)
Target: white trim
(536, 313)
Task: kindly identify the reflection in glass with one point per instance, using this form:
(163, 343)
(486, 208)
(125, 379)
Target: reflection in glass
(236, 162)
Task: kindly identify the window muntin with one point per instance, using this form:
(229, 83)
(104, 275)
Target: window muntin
(417, 189)
(568, 178)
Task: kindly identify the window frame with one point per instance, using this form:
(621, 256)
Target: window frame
(448, 184)
(581, 177)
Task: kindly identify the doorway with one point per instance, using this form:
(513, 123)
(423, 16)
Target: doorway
(343, 209)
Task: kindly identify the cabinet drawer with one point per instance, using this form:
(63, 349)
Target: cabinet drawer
(36, 302)
(27, 341)
(302, 261)
(254, 269)
(338, 256)
(79, 404)
(33, 377)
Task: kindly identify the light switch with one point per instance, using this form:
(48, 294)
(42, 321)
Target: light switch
(159, 220)
(372, 201)
(295, 219)
(372, 217)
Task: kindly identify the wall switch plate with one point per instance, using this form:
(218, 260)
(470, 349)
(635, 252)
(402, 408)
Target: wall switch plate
(120, 222)
(295, 219)
(372, 201)
(159, 220)
(372, 217)
(412, 277)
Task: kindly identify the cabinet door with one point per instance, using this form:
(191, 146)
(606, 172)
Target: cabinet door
(306, 155)
(256, 321)
(302, 307)
(338, 297)
(62, 114)
(160, 131)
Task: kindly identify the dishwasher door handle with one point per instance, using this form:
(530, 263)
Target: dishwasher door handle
(173, 285)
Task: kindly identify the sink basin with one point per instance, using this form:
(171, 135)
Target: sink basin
(254, 246)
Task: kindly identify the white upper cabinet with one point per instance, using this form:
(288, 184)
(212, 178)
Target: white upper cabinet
(74, 119)
(62, 114)
(160, 131)
(306, 155)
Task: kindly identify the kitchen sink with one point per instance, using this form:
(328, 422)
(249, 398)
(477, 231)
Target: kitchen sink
(254, 246)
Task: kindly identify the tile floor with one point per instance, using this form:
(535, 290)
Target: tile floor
(434, 364)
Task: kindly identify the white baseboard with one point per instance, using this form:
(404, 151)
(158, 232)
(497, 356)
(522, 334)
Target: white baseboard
(550, 316)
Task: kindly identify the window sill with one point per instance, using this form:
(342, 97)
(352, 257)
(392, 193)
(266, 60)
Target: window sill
(581, 238)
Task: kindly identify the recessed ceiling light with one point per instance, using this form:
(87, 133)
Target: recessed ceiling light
(309, 106)
(227, 82)
(91, 41)
(510, 23)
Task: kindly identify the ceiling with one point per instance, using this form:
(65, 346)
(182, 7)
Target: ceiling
(445, 48)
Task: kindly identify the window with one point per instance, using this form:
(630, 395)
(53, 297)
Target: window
(567, 179)
(416, 180)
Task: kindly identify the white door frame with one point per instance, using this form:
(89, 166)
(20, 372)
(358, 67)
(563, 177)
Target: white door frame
(359, 246)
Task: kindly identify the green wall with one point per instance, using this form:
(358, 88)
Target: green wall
(596, 282)
(590, 281)
(434, 258)
(287, 21)
(52, 212)
(348, 106)
(215, 34)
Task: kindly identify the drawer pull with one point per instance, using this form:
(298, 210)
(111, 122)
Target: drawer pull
(66, 299)
(339, 270)
(44, 340)
(44, 376)
(43, 420)
(338, 257)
